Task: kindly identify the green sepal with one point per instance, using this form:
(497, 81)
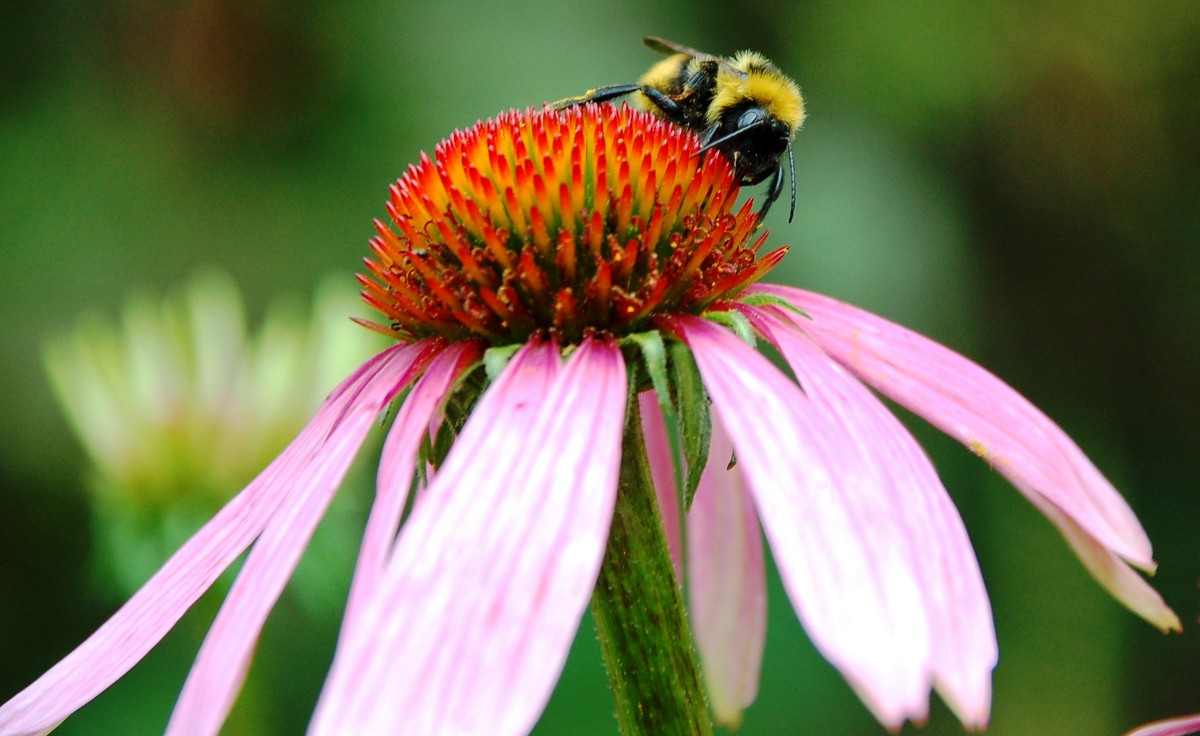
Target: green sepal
(456, 409)
(494, 360)
(695, 417)
(735, 321)
(772, 300)
(654, 356)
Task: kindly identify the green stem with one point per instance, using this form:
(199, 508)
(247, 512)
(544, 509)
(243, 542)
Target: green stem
(640, 620)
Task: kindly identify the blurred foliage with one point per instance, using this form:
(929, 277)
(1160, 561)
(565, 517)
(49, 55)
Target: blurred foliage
(1019, 180)
(179, 404)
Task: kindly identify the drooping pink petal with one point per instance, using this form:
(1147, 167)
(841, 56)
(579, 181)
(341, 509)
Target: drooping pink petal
(662, 471)
(398, 463)
(220, 668)
(470, 626)
(727, 583)
(1172, 727)
(142, 622)
(831, 519)
(1117, 577)
(993, 421)
(963, 641)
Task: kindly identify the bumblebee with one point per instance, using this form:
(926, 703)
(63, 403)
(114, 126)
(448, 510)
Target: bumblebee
(742, 106)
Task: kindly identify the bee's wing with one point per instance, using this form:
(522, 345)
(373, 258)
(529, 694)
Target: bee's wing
(670, 47)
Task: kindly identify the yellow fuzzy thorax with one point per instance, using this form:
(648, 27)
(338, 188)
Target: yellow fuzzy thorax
(750, 75)
(662, 76)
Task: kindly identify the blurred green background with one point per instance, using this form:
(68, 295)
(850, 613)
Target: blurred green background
(1020, 180)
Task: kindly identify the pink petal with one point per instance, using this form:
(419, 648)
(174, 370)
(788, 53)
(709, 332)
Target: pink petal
(469, 628)
(963, 641)
(662, 470)
(1118, 578)
(219, 670)
(133, 630)
(1173, 727)
(832, 523)
(727, 584)
(398, 463)
(976, 408)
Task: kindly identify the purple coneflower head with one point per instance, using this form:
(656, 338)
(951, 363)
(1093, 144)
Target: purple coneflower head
(559, 238)
(569, 223)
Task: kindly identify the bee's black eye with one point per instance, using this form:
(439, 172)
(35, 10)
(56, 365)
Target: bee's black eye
(751, 117)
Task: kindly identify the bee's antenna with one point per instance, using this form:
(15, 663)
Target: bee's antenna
(731, 136)
(792, 171)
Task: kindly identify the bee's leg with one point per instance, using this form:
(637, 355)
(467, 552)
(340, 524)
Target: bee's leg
(774, 189)
(792, 179)
(600, 94)
(670, 109)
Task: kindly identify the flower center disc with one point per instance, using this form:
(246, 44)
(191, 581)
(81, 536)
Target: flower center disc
(594, 218)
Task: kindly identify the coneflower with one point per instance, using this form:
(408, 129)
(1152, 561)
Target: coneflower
(552, 278)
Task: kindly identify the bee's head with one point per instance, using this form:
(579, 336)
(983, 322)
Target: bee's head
(752, 139)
